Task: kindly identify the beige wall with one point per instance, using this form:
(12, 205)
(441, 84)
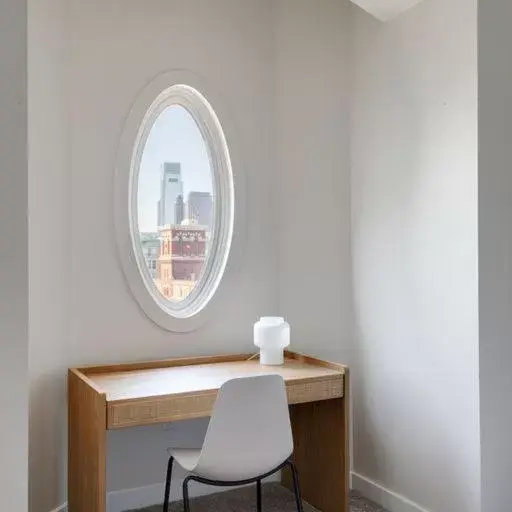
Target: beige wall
(495, 249)
(227, 42)
(312, 118)
(414, 248)
(49, 237)
(14, 256)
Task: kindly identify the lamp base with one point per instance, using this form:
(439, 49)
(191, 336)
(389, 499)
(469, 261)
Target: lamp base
(272, 357)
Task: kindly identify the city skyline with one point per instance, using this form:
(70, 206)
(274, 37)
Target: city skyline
(175, 185)
(172, 209)
(174, 138)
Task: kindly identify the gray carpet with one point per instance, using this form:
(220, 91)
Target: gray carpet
(275, 499)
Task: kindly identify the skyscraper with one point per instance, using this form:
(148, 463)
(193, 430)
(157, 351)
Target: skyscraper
(200, 208)
(171, 187)
(179, 210)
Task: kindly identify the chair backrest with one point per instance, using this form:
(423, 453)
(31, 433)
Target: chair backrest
(249, 433)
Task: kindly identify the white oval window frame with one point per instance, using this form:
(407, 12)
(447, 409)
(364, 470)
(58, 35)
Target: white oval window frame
(187, 90)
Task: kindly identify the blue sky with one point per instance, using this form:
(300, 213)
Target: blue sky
(174, 137)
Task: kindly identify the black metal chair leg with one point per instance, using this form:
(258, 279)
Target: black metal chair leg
(168, 484)
(186, 502)
(258, 496)
(296, 487)
(258, 480)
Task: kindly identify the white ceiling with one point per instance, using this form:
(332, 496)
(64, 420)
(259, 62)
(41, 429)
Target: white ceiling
(385, 10)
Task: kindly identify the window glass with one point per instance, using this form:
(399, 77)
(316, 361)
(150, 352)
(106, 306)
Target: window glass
(175, 202)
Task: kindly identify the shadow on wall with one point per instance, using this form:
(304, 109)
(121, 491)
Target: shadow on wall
(48, 441)
(127, 448)
(396, 423)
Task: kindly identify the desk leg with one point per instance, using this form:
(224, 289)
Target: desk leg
(320, 432)
(86, 446)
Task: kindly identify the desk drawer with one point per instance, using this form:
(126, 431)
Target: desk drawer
(163, 409)
(315, 390)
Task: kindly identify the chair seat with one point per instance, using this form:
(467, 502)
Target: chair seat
(186, 458)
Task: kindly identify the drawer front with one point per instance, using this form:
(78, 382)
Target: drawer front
(314, 391)
(169, 408)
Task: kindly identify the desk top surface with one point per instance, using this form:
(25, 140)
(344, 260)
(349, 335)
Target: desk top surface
(125, 383)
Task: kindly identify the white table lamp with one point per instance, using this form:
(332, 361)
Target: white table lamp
(271, 335)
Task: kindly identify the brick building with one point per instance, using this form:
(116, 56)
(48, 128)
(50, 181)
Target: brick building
(181, 259)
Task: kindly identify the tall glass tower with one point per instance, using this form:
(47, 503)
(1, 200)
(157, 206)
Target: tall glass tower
(171, 187)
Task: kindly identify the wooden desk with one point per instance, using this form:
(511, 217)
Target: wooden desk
(111, 397)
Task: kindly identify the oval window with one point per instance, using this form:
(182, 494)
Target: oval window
(181, 201)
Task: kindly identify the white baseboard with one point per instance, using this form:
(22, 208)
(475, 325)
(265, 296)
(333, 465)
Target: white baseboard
(384, 497)
(140, 497)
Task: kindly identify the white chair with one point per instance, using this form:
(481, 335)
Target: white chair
(249, 437)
